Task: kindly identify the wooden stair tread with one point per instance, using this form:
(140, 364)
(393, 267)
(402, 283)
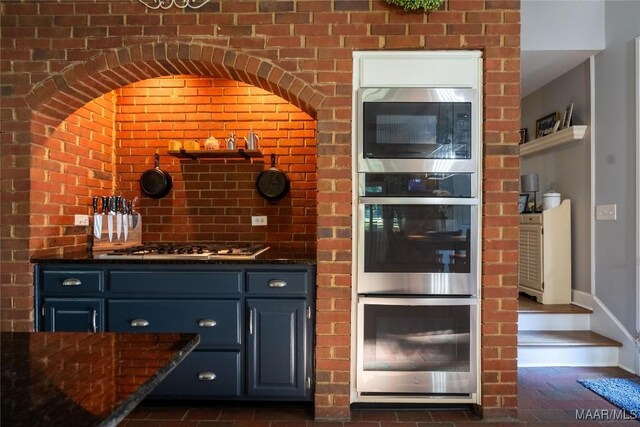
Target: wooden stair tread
(564, 339)
(530, 306)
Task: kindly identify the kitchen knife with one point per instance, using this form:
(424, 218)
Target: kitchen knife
(112, 212)
(97, 219)
(125, 218)
(130, 212)
(134, 215)
(105, 210)
(118, 210)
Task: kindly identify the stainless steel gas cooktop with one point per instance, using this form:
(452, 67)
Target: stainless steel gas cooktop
(203, 251)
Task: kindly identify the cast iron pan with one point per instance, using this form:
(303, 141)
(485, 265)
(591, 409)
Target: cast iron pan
(155, 183)
(272, 184)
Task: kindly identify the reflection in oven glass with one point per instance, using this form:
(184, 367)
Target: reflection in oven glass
(417, 338)
(417, 238)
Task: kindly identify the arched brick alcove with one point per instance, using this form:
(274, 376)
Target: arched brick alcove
(60, 97)
(62, 94)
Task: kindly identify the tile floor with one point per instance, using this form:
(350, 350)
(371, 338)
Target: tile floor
(546, 397)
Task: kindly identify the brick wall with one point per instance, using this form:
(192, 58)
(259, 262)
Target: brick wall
(213, 200)
(57, 56)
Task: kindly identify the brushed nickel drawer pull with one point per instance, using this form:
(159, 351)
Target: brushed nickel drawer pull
(206, 376)
(71, 282)
(139, 323)
(207, 323)
(276, 283)
(94, 320)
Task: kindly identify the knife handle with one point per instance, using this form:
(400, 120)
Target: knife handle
(95, 205)
(105, 204)
(116, 204)
(123, 205)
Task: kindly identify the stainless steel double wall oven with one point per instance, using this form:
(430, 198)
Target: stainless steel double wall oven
(417, 241)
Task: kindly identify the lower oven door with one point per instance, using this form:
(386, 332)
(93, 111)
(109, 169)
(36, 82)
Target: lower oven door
(417, 346)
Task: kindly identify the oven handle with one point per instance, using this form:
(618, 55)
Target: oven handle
(435, 300)
(472, 201)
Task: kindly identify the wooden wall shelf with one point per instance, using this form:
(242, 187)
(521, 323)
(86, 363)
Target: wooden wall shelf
(215, 154)
(561, 137)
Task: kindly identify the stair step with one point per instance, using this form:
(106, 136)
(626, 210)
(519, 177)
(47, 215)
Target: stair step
(564, 339)
(554, 322)
(528, 305)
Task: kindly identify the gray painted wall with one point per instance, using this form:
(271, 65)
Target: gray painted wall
(562, 24)
(566, 169)
(615, 161)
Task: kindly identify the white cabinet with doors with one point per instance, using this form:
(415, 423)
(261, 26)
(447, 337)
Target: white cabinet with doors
(545, 255)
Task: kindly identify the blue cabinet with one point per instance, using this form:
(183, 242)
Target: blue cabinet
(276, 350)
(255, 321)
(72, 315)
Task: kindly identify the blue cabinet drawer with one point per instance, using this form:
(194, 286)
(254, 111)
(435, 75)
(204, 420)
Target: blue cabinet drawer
(203, 374)
(173, 281)
(277, 282)
(217, 321)
(72, 282)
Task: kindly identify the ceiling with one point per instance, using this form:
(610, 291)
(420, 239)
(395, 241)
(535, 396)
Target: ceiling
(537, 68)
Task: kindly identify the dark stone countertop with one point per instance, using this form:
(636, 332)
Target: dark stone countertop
(271, 256)
(83, 379)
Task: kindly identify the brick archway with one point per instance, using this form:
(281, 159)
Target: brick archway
(59, 96)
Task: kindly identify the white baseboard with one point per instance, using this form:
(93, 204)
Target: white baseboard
(605, 323)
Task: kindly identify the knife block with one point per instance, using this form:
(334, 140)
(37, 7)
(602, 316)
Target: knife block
(134, 237)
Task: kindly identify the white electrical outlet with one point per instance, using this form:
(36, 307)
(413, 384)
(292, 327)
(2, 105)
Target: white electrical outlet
(259, 220)
(606, 212)
(80, 219)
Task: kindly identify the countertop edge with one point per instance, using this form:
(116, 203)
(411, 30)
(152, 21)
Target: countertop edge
(133, 400)
(90, 260)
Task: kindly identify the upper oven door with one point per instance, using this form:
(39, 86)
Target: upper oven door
(417, 129)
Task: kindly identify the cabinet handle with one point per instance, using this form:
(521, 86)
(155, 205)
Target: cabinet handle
(139, 323)
(206, 376)
(71, 282)
(94, 320)
(250, 322)
(207, 323)
(277, 283)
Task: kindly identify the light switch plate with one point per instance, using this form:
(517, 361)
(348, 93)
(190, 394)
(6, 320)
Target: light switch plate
(259, 220)
(606, 212)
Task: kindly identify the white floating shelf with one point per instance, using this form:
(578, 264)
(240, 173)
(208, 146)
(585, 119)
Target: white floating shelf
(561, 137)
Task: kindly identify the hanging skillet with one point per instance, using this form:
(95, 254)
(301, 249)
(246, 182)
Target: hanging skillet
(272, 184)
(155, 183)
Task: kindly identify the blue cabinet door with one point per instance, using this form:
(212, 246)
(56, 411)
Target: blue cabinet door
(276, 350)
(73, 315)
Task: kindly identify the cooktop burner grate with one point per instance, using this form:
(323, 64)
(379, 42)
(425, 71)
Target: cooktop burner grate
(189, 251)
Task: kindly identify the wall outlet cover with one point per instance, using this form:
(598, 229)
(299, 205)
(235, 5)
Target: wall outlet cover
(259, 220)
(80, 219)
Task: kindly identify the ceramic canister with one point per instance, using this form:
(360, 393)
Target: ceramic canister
(551, 200)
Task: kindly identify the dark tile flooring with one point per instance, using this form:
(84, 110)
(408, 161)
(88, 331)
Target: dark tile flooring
(546, 397)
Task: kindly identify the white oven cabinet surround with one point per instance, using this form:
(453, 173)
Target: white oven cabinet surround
(431, 69)
(255, 321)
(544, 268)
(460, 69)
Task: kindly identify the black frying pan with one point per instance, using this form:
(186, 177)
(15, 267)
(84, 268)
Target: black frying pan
(155, 183)
(272, 184)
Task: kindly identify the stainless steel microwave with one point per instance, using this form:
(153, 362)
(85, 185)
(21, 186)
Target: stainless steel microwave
(417, 129)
